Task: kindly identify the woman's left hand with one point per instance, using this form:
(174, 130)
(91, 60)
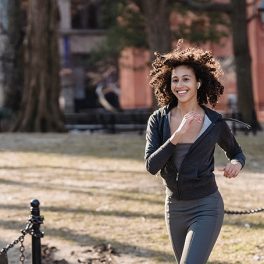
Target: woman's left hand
(232, 169)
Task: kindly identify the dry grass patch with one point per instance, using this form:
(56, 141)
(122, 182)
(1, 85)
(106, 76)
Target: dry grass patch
(94, 189)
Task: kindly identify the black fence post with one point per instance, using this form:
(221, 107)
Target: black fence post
(36, 221)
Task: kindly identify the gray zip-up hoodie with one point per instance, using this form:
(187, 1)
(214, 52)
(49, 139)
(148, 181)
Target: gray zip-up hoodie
(195, 178)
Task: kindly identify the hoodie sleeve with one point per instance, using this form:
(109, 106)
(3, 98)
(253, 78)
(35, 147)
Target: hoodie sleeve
(156, 153)
(229, 144)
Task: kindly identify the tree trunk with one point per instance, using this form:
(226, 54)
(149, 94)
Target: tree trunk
(40, 110)
(13, 57)
(157, 16)
(246, 104)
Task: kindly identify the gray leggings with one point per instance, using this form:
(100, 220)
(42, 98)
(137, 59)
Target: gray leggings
(194, 226)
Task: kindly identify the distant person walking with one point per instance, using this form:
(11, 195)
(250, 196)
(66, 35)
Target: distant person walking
(180, 143)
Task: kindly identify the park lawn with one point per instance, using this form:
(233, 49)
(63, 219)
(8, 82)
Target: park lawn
(93, 189)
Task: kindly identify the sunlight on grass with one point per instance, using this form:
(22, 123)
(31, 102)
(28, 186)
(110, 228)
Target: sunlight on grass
(94, 189)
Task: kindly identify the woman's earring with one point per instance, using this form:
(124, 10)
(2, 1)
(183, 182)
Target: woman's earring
(198, 85)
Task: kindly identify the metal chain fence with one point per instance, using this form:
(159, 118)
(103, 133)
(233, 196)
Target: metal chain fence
(32, 228)
(242, 212)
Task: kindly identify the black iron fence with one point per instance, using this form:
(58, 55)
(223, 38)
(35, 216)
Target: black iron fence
(112, 122)
(32, 228)
(132, 120)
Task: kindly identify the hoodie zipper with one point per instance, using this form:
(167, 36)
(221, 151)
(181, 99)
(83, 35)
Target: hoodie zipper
(177, 176)
(190, 150)
(178, 188)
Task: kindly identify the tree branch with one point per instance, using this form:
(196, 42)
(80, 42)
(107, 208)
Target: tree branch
(209, 6)
(139, 4)
(254, 3)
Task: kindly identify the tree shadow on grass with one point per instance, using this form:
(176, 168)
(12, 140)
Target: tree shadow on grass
(76, 170)
(100, 146)
(65, 210)
(89, 240)
(220, 262)
(89, 192)
(242, 222)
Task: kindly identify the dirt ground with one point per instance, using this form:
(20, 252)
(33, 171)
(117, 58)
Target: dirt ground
(100, 206)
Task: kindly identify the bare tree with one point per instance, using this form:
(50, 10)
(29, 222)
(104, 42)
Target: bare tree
(157, 13)
(40, 110)
(157, 25)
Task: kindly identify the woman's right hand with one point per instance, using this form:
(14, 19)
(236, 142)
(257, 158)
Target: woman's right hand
(187, 121)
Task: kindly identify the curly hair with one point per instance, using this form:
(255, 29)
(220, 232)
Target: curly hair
(205, 66)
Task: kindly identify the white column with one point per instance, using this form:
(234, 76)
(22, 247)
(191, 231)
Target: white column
(3, 16)
(65, 14)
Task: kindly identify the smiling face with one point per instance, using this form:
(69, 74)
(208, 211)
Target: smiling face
(184, 84)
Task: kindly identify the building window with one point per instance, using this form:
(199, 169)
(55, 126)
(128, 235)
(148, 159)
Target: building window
(85, 14)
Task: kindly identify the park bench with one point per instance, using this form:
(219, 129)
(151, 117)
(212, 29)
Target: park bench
(111, 122)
